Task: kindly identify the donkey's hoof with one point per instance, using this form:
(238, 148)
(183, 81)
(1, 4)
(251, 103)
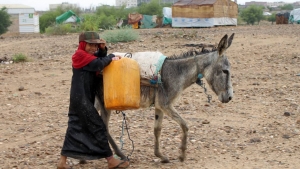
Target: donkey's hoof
(82, 161)
(181, 158)
(165, 160)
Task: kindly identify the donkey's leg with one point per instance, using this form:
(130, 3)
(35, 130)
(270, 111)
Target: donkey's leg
(105, 115)
(170, 111)
(159, 115)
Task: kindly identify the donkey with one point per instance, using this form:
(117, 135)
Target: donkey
(178, 73)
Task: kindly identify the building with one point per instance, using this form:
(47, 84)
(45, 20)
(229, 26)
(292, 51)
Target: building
(276, 4)
(297, 3)
(135, 3)
(24, 18)
(160, 1)
(64, 5)
(127, 3)
(256, 3)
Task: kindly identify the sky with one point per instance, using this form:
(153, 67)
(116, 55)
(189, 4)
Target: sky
(42, 5)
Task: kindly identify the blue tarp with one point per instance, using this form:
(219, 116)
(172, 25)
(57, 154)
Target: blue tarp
(148, 21)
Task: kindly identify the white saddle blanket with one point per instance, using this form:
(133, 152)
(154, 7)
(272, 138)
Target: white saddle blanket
(150, 62)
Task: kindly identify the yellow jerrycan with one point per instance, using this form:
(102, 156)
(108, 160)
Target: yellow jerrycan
(121, 84)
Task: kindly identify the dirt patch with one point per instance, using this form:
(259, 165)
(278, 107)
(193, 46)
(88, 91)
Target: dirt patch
(259, 128)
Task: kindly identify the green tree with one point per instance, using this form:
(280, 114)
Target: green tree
(108, 16)
(90, 22)
(107, 22)
(151, 8)
(120, 12)
(287, 7)
(49, 17)
(272, 18)
(4, 20)
(252, 14)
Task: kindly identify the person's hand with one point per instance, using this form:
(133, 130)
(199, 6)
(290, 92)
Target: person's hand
(117, 57)
(102, 44)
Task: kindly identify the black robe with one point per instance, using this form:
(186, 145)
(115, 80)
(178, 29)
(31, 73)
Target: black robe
(86, 136)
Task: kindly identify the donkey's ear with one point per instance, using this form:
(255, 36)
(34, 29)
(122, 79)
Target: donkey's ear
(223, 44)
(230, 40)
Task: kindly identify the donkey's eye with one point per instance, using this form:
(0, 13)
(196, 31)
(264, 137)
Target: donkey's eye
(225, 71)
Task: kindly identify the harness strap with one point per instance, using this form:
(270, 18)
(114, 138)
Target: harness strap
(146, 82)
(199, 76)
(200, 82)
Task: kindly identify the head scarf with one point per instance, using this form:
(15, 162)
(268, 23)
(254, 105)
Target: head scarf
(81, 58)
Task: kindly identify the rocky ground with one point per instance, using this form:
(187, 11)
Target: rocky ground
(259, 128)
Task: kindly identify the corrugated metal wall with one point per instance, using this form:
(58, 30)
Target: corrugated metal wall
(224, 8)
(193, 11)
(29, 23)
(221, 8)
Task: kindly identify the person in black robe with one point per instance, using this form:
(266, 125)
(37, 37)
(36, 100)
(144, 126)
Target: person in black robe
(86, 135)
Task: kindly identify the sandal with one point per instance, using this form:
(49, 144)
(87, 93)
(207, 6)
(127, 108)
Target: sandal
(121, 165)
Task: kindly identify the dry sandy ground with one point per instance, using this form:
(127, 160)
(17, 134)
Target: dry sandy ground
(258, 129)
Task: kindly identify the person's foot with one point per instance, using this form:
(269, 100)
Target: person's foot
(64, 166)
(116, 163)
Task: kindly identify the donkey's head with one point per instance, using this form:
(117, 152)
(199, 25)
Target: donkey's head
(218, 75)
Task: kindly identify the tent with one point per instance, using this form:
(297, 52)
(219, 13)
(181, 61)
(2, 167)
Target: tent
(142, 21)
(148, 21)
(204, 13)
(167, 19)
(134, 19)
(267, 14)
(295, 16)
(68, 17)
(282, 18)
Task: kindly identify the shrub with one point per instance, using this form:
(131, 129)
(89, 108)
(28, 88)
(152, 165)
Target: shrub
(20, 58)
(120, 35)
(61, 29)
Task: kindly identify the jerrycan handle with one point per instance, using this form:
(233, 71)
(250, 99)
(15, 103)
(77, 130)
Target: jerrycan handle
(129, 55)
